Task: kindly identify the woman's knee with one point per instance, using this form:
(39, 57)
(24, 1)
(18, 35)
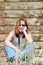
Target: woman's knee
(30, 47)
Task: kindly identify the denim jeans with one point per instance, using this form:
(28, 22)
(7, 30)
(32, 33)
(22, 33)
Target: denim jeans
(11, 52)
(28, 50)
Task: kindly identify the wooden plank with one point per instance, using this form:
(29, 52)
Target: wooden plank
(2, 20)
(1, 43)
(21, 5)
(2, 6)
(34, 29)
(36, 37)
(10, 21)
(35, 43)
(2, 14)
(1, 47)
(38, 45)
(1, 0)
(30, 21)
(28, 13)
(6, 29)
(2, 37)
(38, 59)
(23, 0)
(24, 5)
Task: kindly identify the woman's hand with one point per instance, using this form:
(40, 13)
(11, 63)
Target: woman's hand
(24, 30)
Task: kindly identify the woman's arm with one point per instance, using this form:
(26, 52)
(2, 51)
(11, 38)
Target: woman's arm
(28, 36)
(8, 39)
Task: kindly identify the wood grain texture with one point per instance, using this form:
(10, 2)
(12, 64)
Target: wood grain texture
(23, 0)
(28, 13)
(1, 1)
(24, 5)
(10, 12)
(38, 45)
(36, 37)
(8, 28)
(12, 21)
(2, 6)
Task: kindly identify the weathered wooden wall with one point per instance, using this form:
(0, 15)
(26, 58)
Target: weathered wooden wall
(11, 10)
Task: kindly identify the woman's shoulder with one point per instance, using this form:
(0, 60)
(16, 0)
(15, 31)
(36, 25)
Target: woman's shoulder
(11, 32)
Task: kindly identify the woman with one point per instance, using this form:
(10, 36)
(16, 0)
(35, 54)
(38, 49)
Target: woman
(21, 38)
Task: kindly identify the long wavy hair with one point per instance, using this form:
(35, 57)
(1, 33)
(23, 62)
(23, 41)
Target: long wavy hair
(23, 17)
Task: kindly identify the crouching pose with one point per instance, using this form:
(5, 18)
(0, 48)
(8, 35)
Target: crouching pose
(19, 42)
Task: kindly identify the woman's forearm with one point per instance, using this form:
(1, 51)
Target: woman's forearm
(28, 37)
(11, 45)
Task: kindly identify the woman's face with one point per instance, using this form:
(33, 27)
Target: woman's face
(21, 25)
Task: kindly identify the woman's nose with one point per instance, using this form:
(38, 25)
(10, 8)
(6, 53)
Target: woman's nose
(21, 25)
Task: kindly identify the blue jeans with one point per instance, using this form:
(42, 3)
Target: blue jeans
(11, 52)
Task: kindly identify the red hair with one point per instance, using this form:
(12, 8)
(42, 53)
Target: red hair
(23, 17)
